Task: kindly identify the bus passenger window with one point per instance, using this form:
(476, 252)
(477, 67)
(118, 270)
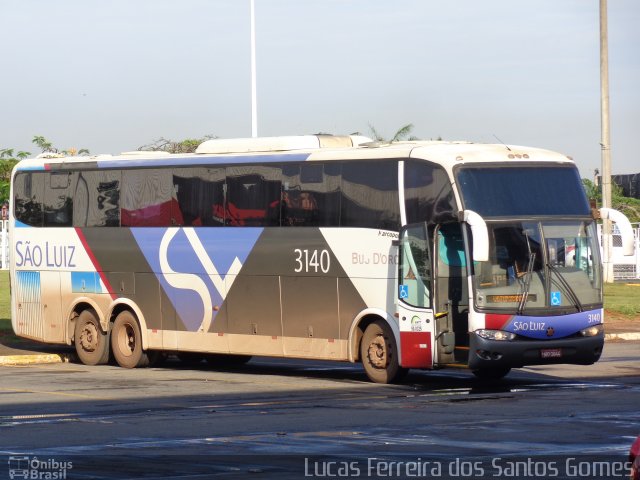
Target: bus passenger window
(199, 196)
(58, 199)
(311, 195)
(370, 195)
(147, 198)
(29, 196)
(427, 193)
(96, 202)
(254, 196)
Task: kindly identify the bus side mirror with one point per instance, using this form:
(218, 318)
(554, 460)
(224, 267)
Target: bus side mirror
(626, 231)
(480, 235)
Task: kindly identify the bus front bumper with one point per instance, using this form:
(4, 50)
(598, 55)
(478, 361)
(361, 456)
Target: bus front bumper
(484, 353)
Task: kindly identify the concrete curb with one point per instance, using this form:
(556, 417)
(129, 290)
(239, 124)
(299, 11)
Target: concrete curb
(34, 359)
(630, 336)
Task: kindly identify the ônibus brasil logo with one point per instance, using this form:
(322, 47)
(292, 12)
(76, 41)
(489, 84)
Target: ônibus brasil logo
(23, 467)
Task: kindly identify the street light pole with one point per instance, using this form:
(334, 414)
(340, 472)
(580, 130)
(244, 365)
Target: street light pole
(254, 106)
(605, 141)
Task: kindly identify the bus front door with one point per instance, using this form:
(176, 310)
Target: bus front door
(415, 299)
(451, 299)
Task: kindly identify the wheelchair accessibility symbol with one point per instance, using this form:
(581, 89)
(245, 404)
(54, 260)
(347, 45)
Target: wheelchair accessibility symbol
(403, 291)
(556, 299)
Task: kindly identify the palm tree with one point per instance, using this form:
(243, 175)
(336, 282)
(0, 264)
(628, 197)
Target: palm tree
(400, 135)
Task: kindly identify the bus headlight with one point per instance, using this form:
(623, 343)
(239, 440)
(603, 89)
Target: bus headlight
(592, 331)
(500, 335)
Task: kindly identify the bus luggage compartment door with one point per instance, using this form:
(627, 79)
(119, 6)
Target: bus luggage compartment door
(38, 309)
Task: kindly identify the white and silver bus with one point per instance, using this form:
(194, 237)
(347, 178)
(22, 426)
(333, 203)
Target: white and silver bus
(405, 255)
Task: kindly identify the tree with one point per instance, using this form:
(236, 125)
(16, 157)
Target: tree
(8, 160)
(47, 147)
(401, 134)
(187, 145)
(629, 206)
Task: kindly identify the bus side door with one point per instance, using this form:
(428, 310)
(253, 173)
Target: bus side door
(451, 292)
(415, 298)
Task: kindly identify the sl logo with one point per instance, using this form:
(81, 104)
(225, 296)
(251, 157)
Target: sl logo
(550, 332)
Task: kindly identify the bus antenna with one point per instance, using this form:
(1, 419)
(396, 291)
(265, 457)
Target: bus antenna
(505, 145)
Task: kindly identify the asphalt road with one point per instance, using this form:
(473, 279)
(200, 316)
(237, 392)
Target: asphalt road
(282, 419)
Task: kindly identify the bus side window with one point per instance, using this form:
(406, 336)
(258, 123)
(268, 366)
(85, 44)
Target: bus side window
(370, 195)
(427, 193)
(253, 196)
(29, 197)
(58, 199)
(147, 198)
(96, 201)
(199, 196)
(309, 196)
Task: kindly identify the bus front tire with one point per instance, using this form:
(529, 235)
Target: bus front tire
(92, 344)
(126, 342)
(379, 354)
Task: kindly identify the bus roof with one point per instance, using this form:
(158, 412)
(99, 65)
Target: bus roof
(306, 148)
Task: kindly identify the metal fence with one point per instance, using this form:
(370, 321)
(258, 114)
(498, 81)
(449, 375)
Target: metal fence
(4, 245)
(624, 268)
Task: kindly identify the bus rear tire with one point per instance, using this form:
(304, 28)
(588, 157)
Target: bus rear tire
(92, 344)
(491, 373)
(379, 354)
(126, 342)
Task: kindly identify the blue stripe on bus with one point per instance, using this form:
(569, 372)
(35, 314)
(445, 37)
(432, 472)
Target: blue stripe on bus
(85, 282)
(19, 224)
(553, 327)
(208, 160)
(32, 169)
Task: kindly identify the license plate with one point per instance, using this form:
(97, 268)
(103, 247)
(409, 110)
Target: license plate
(551, 353)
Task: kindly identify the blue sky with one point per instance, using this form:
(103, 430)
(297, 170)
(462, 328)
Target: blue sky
(113, 75)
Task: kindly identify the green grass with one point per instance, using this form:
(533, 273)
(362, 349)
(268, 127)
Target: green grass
(5, 306)
(618, 297)
(622, 298)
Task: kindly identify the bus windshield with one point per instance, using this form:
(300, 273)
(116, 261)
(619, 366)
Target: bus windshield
(539, 265)
(523, 190)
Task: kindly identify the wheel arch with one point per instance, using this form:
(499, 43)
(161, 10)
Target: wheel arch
(359, 325)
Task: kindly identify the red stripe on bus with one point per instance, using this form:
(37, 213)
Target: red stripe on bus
(416, 350)
(496, 321)
(95, 262)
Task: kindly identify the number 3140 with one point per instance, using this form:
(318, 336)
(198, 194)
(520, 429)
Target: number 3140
(312, 261)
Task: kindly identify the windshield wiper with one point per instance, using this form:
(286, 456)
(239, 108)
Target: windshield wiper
(526, 283)
(567, 288)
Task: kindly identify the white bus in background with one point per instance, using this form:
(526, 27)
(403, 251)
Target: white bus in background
(406, 255)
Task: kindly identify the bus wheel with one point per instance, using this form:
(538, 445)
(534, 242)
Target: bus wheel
(92, 344)
(492, 373)
(126, 342)
(379, 354)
